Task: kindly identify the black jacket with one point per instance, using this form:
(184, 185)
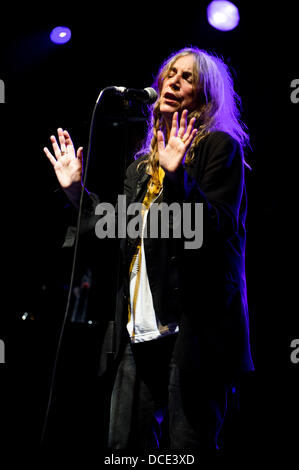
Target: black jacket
(203, 289)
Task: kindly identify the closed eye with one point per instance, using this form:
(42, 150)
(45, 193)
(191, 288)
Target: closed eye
(172, 72)
(188, 76)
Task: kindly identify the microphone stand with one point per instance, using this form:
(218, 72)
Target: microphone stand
(70, 291)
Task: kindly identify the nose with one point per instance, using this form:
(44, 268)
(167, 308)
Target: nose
(174, 82)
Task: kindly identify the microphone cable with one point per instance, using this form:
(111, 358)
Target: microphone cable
(72, 276)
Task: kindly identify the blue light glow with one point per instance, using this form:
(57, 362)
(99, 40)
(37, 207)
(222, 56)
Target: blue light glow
(60, 35)
(223, 15)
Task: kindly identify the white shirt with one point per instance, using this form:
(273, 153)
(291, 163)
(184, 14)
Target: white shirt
(143, 324)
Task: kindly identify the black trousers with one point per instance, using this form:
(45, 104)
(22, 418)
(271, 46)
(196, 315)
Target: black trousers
(156, 405)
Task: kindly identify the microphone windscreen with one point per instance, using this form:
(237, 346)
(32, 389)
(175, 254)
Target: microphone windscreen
(152, 95)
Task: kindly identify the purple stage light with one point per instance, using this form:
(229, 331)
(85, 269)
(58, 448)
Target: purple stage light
(223, 15)
(60, 35)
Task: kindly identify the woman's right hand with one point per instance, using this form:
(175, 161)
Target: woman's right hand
(67, 165)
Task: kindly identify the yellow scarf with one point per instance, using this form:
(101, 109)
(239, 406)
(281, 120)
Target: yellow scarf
(153, 190)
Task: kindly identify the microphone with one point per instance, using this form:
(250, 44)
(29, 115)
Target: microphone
(146, 95)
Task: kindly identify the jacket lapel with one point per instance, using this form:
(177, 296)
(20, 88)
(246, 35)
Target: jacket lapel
(141, 184)
(138, 196)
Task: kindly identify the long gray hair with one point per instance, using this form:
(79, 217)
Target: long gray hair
(217, 105)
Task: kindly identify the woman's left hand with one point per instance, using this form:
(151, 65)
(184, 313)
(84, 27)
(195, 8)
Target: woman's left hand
(180, 139)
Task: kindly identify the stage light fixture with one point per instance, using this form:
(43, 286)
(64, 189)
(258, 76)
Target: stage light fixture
(60, 35)
(223, 15)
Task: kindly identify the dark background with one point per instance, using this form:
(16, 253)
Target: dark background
(49, 86)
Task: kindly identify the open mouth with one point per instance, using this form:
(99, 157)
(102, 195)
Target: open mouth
(171, 97)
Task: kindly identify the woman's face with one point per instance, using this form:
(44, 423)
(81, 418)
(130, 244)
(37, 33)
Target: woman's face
(178, 88)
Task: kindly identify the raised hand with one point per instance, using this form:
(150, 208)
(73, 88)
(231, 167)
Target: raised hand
(180, 139)
(67, 165)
